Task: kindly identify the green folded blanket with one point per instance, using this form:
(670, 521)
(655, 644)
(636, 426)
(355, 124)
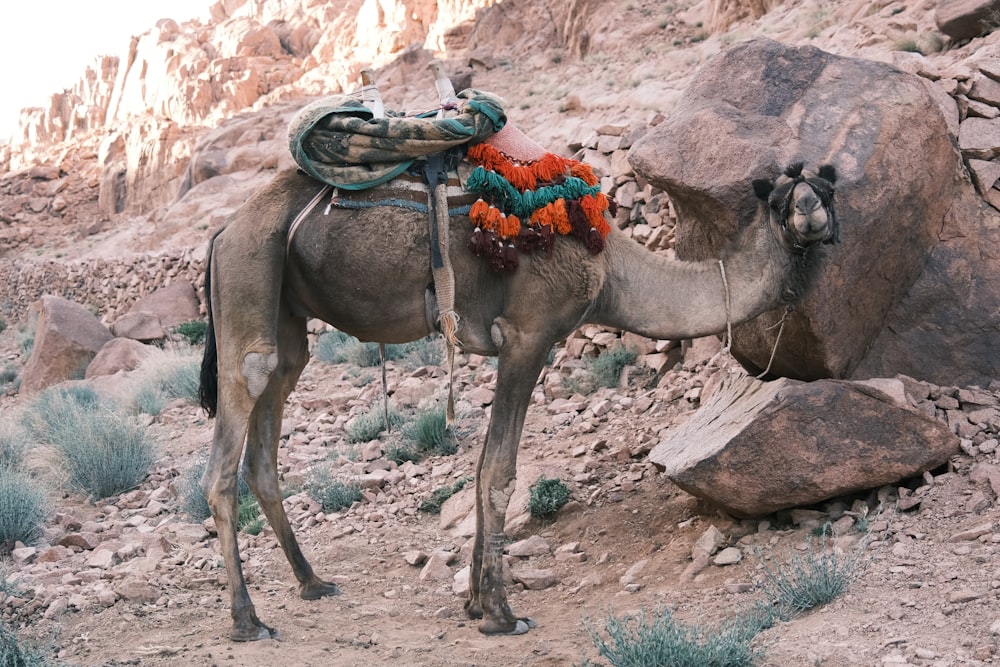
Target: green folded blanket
(335, 140)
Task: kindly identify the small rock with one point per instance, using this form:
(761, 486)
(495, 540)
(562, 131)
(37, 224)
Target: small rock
(533, 546)
(536, 579)
(729, 556)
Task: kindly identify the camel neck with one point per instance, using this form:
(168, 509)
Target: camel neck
(668, 299)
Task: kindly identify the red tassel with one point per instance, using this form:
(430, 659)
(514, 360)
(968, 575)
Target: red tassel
(495, 253)
(477, 242)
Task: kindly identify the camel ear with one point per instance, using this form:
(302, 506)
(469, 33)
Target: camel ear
(829, 172)
(763, 187)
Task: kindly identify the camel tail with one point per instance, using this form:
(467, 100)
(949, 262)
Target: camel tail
(208, 391)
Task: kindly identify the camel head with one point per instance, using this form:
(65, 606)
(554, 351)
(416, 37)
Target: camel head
(800, 203)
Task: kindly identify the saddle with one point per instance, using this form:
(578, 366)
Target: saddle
(517, 195)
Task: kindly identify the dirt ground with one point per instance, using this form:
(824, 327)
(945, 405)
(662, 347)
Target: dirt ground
(920, 598)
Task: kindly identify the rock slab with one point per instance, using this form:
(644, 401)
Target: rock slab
(757, 447)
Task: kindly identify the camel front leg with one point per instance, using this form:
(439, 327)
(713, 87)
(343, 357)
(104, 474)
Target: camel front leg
(521, 360)
(261, 459)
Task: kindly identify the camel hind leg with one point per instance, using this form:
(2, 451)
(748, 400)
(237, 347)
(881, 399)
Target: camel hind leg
(245, 269)
(261, 457)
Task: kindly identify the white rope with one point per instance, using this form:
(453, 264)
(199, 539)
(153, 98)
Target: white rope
(774, 350)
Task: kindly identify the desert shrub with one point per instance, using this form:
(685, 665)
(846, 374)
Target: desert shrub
(248, 515)
(437, 498)
(641, 640)
(167, 377)
(15, 653)
(607, 367)
(401, 452)
(361, 354)
(8, 375)
(192, 498)
(12, 443)
(52, 416)
(3, 325)
(337, 347)
(429, 432)
(26, 340)
(104, 451)
(333, 494)
(367, 426)
(812, 578)
(111, 454)
(546, 497)
(193, 331)
(23, 506)
(329, 347)
(428, 351)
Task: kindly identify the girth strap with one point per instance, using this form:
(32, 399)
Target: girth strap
(436, 174)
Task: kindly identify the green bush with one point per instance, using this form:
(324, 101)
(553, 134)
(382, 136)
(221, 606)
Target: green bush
(429, 431)
(643, 640)
(433, 504)
(369, 425)
(194, 331)
(331, 493)
(248, 516)
(23, 507)
(812, 578)
(607, 367)
(14, 653)
(546, 497)
(104, 451)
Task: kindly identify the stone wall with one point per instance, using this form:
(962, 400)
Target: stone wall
(109, 287)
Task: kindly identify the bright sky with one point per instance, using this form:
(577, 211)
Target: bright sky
(46, 44)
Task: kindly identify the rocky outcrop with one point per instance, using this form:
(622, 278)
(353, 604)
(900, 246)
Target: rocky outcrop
(754, 448)
(761, 105)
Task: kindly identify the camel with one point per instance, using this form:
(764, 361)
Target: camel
(367, 272)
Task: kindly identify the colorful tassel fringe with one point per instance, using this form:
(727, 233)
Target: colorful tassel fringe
(523, 206)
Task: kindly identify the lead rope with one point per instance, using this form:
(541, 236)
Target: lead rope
(385, 389)
(774, 350)
(727, 344)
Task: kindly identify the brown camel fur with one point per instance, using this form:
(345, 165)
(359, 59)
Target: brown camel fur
(367, 272)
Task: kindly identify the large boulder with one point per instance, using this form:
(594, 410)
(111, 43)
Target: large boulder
(118, 354)
(906, 205)
(67, 338)
(965, 19)
(757, 447)
(174, 304)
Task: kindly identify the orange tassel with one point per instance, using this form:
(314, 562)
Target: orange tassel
(584, 172)
(510, 227)
(478, 211)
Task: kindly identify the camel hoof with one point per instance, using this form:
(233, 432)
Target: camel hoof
(519, 627)
(318, 589)
(253, 633)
